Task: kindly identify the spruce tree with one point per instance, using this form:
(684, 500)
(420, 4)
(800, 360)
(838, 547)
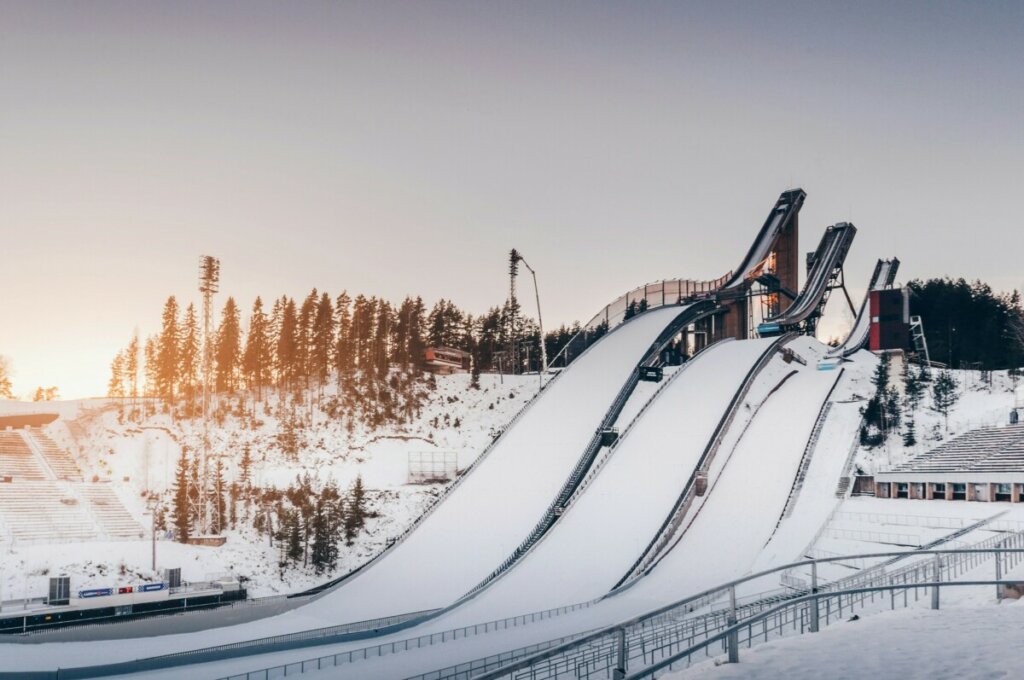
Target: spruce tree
(257, 359)
(167, 352)
(287, 355)
(182, 513)
(115, 388)
(228, 350)
(131, 373)
(219, 501)
(190, 358)
(944, 395)
(322, 343)
(344, 357)
(910, 433)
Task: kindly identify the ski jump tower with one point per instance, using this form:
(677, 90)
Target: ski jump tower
(773, 261)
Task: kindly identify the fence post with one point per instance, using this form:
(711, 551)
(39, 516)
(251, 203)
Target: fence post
(999, 576)
(620, 655)
(814, 600)
(938, 577)
(733, 638)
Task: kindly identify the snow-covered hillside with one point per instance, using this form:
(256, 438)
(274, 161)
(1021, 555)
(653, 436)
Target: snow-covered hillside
(982, 400)
(139, 459)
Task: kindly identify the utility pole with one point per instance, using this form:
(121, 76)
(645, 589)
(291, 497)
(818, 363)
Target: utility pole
(209, 283)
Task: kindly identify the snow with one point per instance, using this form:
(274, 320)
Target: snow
(468, 534)
(730, 532)
(488, 515)
(724, 537)
(135, 458)
(911, 644)
(614, 520)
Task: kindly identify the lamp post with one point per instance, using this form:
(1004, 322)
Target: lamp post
(518, 257)
(152, 506)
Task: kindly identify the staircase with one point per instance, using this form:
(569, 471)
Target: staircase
(114, 520)
(843, 488)
(17, 459)
(56, 458)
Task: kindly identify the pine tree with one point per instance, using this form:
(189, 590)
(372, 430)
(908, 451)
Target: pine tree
(258, 357)
(167, 352)
(190, 358)
(228, 347)
(115, 388)
(910, 433)
(287, 372)
(219, 501)
(182, 511)
(245, 467)
(944, 395)
(474, 376)
(326, 524)
(322, 343)
(304, 338)
(6, 391)
(131, 372)
(344, 355)
(355, 518)
(151, 354)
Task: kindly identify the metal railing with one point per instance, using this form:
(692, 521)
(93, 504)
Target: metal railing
(674, 635)
(653, 295)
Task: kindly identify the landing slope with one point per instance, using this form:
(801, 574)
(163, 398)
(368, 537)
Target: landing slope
(605, 530)
(487, 516)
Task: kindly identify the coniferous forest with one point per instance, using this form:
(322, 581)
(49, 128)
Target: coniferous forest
(358, 361)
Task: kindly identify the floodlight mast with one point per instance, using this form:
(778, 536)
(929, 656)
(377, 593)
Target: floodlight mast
(209, 283)
(518, 257)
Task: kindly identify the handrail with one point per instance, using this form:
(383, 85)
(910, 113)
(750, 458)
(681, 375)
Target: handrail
(685, 290)
(661, 537)
(640, 619)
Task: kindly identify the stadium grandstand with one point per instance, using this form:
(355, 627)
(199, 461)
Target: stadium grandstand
(43, 497)
(982, 465)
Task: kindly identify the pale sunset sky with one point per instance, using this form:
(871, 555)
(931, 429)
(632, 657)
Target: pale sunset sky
(403, 148)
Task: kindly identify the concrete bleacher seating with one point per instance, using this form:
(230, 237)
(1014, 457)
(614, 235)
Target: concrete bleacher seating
(997, 449)
(43, 498)
(44, 511)
(17, 459)
(57, 458)
(114, 520)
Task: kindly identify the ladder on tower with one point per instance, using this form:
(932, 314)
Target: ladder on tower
(917, 337)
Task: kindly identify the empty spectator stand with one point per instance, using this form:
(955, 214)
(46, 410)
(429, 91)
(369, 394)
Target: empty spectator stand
(44, 511)
(58, 459)
(982, 465)
(113, 519)
(17, 459)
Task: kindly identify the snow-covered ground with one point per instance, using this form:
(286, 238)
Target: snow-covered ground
(136, 458)
(910, 644)
(733, 530)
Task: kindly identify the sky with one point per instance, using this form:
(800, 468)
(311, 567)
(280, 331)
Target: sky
(404, 148)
